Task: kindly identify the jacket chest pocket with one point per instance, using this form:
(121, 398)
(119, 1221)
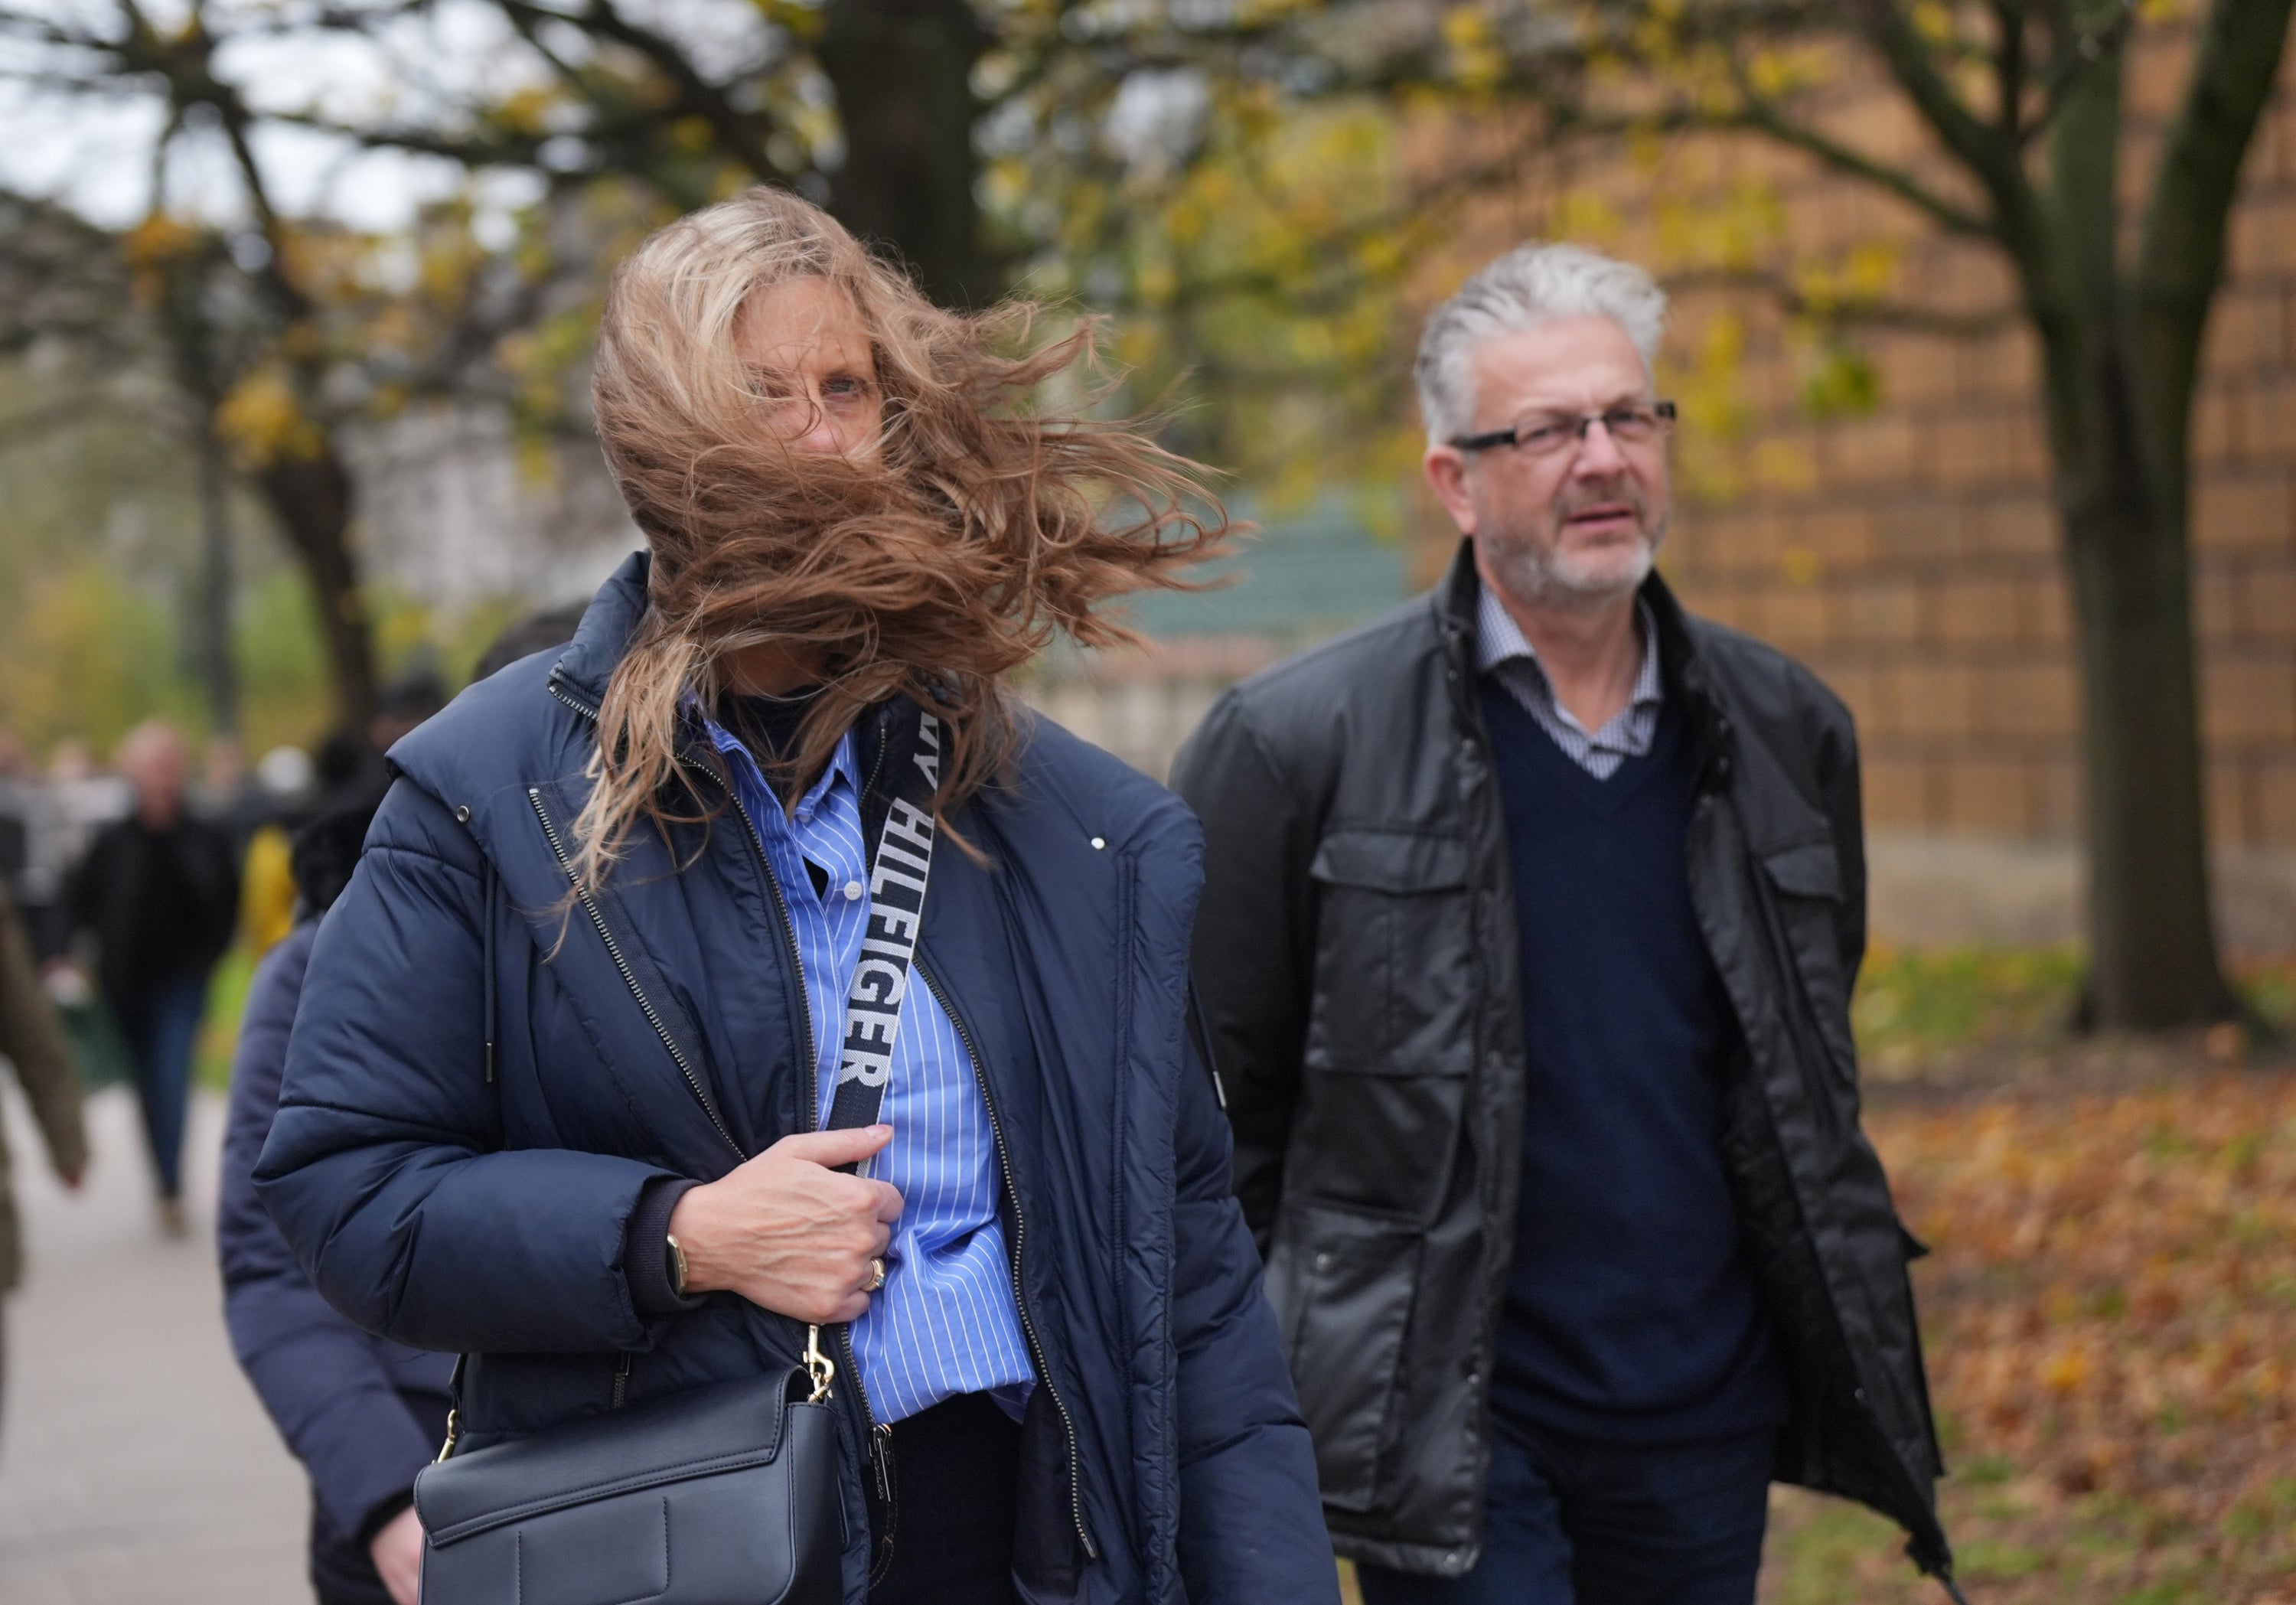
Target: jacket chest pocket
(1390, 1031)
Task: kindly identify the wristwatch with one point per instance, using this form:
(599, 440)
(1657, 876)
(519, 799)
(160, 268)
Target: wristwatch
(677, 1267)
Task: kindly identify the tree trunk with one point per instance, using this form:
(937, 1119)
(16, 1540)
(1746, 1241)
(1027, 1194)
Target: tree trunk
(217, 664)
(2151, 937)
(2152, 934)
(903, 72)
(312, 499)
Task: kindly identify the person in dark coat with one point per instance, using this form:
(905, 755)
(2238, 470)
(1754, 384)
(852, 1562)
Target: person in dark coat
(1531, 918)
(33, 1040)
(158, 890)
(361, 1414)
(563, 1093)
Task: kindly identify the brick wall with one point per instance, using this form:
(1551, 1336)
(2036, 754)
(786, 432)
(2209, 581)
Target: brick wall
(1909, 553)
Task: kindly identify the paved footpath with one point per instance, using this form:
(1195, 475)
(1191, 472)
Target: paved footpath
(135, 1466)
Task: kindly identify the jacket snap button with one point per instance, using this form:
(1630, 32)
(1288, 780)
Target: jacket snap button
(1858, 1394)
(1323, 1261)
(462, 814)
(1099, 842)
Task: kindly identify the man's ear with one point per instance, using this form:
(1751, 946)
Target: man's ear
(1446, 468)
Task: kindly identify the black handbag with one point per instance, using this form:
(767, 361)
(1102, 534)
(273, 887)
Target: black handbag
(727, 1495)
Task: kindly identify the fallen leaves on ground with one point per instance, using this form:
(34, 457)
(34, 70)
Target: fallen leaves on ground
(2109, 1315)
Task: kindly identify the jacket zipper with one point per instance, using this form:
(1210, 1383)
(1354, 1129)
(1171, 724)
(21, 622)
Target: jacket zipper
(1020, 1238)
(873, 1433)
(629, 976)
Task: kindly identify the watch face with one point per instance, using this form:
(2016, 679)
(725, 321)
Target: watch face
(676, 1267)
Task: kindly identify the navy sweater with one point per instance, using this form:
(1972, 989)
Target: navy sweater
(1631, 1314)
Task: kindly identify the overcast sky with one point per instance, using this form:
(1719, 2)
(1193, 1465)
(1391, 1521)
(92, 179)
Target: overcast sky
(95, 152)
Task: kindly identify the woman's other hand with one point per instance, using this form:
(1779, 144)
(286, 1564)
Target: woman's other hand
(397, 1551)
(789, 1232)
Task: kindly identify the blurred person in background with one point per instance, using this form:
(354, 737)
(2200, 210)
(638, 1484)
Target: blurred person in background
(284, 783)
(34, 1043)
(363, 1415)
(159, 894)
(403, 704)
(538, 632)
(32, 861)
(82, 800)
(350, 767)
(227, 791)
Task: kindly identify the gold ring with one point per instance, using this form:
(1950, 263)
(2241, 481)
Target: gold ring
(876, 1274)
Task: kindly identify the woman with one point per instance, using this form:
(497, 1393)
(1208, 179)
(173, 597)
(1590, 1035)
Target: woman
(364, 1414)
(558, 1089)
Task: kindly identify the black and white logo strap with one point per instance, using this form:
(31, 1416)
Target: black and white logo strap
(896, 901)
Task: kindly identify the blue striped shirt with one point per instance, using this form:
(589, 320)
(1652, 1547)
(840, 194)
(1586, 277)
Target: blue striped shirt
(945, 1323)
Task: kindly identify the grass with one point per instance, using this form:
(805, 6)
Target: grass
(1915, 1005)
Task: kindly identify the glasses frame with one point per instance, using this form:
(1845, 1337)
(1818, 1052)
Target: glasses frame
(1512, 434)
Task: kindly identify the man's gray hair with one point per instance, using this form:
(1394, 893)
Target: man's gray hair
(1531, 284)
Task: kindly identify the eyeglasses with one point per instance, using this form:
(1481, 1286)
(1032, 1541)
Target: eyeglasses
(1550, 432)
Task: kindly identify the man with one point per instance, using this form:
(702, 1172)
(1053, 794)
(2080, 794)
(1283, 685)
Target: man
(1527, 945)
(160, 891)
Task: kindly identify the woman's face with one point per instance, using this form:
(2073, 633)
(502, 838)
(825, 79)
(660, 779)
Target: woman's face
(810, 360)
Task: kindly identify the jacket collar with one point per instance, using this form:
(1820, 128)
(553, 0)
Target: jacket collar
(603, 635)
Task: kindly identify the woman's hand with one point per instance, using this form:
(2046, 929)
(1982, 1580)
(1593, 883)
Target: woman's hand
(787, 1231)
(397, 1552)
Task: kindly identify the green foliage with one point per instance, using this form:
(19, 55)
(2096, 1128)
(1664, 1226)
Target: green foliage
(1842, 384)
(1914, 1004)
(85, 655)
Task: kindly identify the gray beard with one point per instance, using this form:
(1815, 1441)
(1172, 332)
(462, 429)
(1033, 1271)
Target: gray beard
(1529, 574)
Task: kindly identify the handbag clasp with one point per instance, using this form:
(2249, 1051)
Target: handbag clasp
(819, 1366)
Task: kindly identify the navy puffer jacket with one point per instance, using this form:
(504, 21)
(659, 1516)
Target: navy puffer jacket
(486, 1074)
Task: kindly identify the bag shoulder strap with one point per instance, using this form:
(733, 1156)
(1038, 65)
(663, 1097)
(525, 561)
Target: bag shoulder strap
(896, 901)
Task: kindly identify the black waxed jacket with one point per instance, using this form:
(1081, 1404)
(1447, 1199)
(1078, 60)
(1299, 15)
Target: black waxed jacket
(1356, 952)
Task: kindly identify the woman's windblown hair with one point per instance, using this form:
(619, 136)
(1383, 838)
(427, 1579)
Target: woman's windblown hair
(981, 527)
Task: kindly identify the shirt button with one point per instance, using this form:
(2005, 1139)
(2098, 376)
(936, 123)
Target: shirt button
(852, 891)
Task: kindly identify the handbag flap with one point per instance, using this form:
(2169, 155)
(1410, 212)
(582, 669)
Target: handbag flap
(724, 1428)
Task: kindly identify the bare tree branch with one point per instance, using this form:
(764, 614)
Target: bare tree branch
(1858, 312)
(1758, 115)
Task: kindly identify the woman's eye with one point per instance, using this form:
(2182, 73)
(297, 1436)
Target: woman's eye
(845, 386)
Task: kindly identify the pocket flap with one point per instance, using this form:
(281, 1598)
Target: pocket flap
(1392, 860)
(712, 1430)
(1809, 869)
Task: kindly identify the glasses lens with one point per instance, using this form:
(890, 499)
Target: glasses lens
(1541, 437)
(1632, 425)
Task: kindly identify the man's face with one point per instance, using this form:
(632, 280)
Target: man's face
(157, 765)
(811, 363)
(1578, 527)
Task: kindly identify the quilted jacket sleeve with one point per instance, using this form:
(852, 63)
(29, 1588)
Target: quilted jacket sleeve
(323, 1381)
(1251, 1521)
(386, 1169)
